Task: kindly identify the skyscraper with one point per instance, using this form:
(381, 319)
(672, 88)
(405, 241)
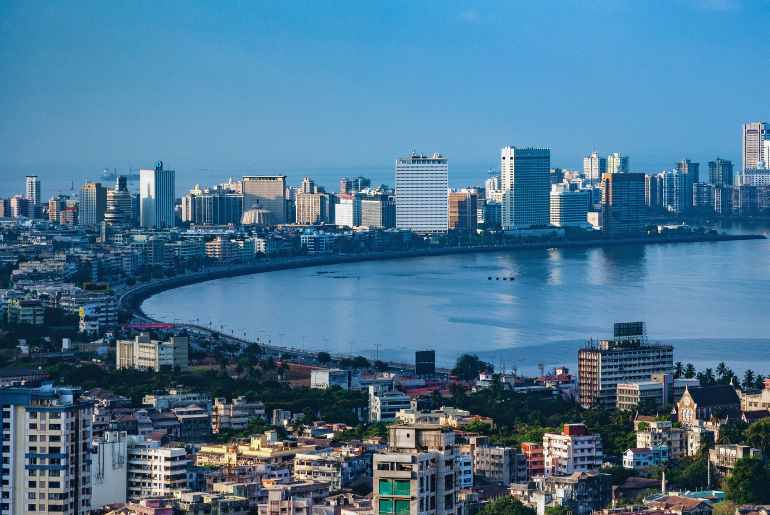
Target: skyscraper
(118, 211)
(33, 189)
(422, 184)
(754, 135)
(617, 163)
(526, 184)
(93, 202)
(594, 166)
(721, 172)
(677, 193)
(268, 194)
(156, 203)
(623, 203)
(47, 451)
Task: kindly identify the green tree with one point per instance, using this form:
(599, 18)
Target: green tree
(506, 506)
(468, 367)
(721, 369)
(558, 510)
(758, 435)
(689, 371)
(323, 357)
(748, 379)
(678, 369)
(748, 482)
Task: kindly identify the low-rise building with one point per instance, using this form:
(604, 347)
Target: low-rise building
(340, 467)
(582, 493)
(164, 400)
(652, 433)
(147, 354)
(502, 465)
(385, 401)
(574, 450)
(25, 312)
(723, 457)
(198, 503)
(324, 378)
(533, 454)
(235, 415)
(297, 498)
(644, 457)
(265, 449)
(679, 505)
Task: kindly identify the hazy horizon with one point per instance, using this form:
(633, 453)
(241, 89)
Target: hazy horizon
(275, 87)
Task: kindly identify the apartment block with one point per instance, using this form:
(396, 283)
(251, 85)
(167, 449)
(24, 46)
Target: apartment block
(417, 473)
(46, 451)
(574, 450)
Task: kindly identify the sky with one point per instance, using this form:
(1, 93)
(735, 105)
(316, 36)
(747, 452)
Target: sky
(272, 86)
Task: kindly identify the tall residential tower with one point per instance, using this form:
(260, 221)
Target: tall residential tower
(156, 190)
(526, 183)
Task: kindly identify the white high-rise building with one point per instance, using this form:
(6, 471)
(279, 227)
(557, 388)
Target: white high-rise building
(594, 166)
(617, 163)
(422, 186)
(46, 451)
(154, 471)
(574, 450)
(156, 191)
(33, 189)
(526, 183)
(754, 136)
(347, 212)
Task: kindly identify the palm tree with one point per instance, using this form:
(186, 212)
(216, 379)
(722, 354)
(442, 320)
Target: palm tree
(678, 369)
(689, 371)
(759, 381)
(748, 379)
(721, 369)
(708, 376)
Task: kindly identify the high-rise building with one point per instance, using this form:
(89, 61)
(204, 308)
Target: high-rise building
(268, 194)
(46, 451)
(118, 211)
(677, 194)
(354, 184)
(417, 473)
(703, 197)
(462, 211)
(628, 357)
(721, 172)
(617, 163)
(569, 208)
(33, 189)
(623, 203)
(754, 135)
(594, 166)
(691, 171)
(653, 191)
(56, 205)
(422, 183)
(93, 204)
(154, 471)
(157, 194)
(526, 184)
(212, 206)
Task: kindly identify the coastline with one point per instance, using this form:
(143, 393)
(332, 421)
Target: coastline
(131, 300)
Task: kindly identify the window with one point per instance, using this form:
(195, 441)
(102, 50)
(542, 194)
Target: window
(386, 487)
(402, 488)
(386, 506)
(402, 507)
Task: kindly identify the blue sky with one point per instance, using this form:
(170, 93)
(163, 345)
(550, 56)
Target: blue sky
(272, 85)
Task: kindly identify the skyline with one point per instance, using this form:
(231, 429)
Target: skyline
(246, 88)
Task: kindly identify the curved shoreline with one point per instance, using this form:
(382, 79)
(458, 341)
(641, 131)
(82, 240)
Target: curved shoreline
(132, 299)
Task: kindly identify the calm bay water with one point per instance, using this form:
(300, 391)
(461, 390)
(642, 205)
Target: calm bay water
(711, 300)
